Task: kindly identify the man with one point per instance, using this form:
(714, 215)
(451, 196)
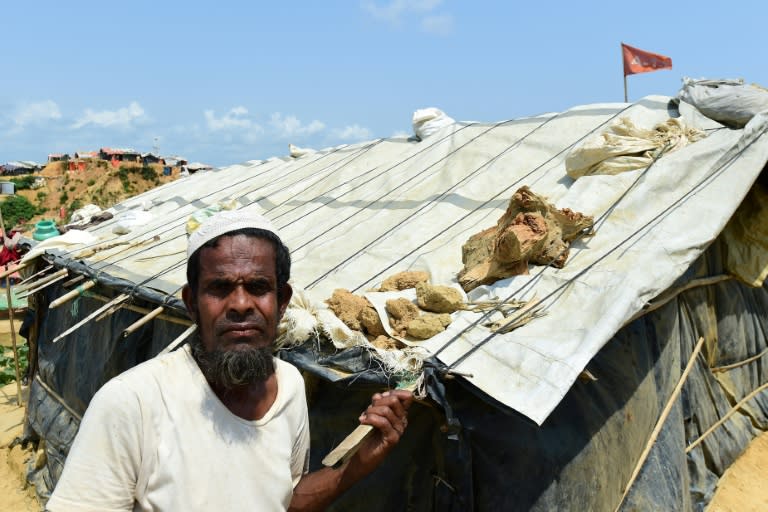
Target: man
(220, 424)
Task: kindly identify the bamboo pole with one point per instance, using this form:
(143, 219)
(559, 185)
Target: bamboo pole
(74, 280)
(43, 271)
(7, 272)
(175, 343)
(72, 294)
(44, 285)
(143, 320)
(660, 422)
(19, 400)
(13, 341)
(43, 280)
(725, 418)
(116, 301)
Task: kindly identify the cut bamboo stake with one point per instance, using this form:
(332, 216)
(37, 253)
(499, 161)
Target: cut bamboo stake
(6, 273)
(44, 285)
(116, 304)
(74, 280)
(183, 336)
(25, 281)
(661, 420)
(141, 321)
(72, 294)
(13, 341)
(727, 367)
(117, 300)
(34, 284)
(725, 418)
(349, 446)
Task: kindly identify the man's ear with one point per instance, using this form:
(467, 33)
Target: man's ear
(190, 301)
(285, 297)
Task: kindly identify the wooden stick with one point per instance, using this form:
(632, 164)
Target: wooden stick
(725, 418)
(13, 341)
(6, 273)
(727, 367)
(72, 294)
(141, 321)
(117, 300)
(44, 285)
(662, 418)
(175, 343)
(49, 277)
(74, 280)
(349, 446)
(25, 281)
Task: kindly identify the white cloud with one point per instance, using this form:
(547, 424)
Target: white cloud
(393, 11)
(122, 117)
(290, 126)
(235, 118)
(36, 112)
(353, 132)
(441, 24)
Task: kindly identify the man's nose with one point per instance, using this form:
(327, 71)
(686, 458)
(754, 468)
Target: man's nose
(240, 301)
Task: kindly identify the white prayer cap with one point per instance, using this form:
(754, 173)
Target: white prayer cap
(223, 222)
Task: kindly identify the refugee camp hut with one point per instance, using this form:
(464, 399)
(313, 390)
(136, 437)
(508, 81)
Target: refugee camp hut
(151, 158)
(556, 414)
(58, 157)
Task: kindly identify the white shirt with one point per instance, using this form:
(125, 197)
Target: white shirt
(157, 438)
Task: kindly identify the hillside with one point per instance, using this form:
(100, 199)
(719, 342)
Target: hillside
(64, 191)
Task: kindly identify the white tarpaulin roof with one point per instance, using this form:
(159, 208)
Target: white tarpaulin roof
(354, 215)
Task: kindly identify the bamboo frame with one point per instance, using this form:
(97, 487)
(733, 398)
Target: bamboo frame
(143, 320)
(660, 422)
(114, 302)
(722, 420)
(34, 284)
(72, 294)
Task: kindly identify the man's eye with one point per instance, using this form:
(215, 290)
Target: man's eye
(258, 287)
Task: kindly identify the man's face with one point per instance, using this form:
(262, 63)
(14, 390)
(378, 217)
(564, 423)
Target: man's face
(236, 305)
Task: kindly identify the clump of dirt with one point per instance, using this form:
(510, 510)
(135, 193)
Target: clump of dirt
(370, 321)
(348, 307)
(531, 230)
(384, 342)
(401, 311)
(428, 325)
(437, 298)
(403, 280)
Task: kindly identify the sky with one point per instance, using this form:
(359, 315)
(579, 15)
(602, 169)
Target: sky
(229, 81)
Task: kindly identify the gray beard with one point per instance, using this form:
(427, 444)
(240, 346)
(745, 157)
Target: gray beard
(227, 369)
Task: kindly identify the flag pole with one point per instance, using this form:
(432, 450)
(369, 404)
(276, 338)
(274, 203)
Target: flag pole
(624, 71)
(625, 89)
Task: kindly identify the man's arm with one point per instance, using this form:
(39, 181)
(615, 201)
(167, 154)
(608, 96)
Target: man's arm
(388, 414)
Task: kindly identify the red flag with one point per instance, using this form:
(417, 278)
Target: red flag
(639, 61)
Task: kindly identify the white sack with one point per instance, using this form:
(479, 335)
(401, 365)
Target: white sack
(427, 121)
(730, 102)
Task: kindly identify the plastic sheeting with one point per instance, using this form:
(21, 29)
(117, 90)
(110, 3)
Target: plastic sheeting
(462, 453)
(353, 215)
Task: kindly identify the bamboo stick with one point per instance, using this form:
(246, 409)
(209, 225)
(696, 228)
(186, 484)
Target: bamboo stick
(727, 367)
(74, 280)
(660, 422)
(44, 285)
(43, 271)
(7, 272)
(143, 320)
(13, 341)
(175, 343)
(72, 294)
(349, 446)
(49, 277)
(117, 300)
(725, 418)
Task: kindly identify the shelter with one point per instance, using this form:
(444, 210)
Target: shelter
(510, 425)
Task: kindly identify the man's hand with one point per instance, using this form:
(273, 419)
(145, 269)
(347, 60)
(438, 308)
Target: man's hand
(388, 414)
